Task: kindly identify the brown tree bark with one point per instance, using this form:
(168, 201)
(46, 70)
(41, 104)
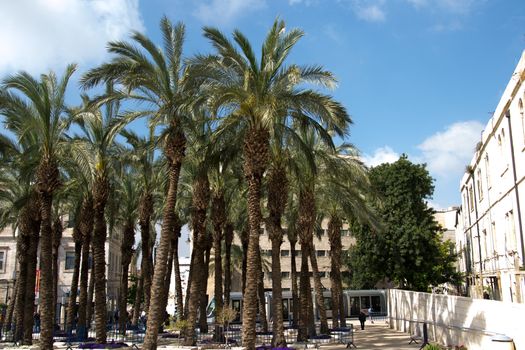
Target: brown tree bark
(256, 155)
(22, 246)
(100, 197)
(126, 251)
(218, 216)
(228, 239)
(72, 302)
(318, 289)
(29, 297)
(86, 229)
(47, 183)
(174, 151)
(198, 216)
(277, 196)
(178, 280)
(334, 237)
(145, 212)
(203, 321)
(261, 303)
(295, 294)
(57, 237)
(244, 243)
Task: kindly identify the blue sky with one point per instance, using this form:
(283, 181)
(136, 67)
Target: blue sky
(419, 77)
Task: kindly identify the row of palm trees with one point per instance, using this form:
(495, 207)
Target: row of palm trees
(244, 143)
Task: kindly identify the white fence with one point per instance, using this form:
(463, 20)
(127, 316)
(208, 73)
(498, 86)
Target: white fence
(454, 320)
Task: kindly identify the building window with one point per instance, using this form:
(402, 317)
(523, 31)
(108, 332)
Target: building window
(487, 171)
(510, 237)
(3, 254)
(285, 275)
(471, 198)
(321, 252)
(323, 274)
(480, 186)
(345, 233)
(285, 253)
(70, 260)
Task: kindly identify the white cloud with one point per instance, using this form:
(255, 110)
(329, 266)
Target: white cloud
(36, 35)
(381, 155)
(370, 13)
(448, 152)
(454, 6)
(222, 12)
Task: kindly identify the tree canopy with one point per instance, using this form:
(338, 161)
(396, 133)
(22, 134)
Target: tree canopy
(409, 252)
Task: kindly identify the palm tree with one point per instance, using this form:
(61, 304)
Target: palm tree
(156, 77)
(86, 230)
(38, 106)
(128, 194)
(95, 147)
(342, 193)
(255, 94)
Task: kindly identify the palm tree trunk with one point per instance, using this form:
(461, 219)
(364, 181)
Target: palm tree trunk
(260, 296)
(295, 296)
(22, 247)
(57, 237)
(72, 304)
(304, 287)
(244, 243)
(171, 258)
(48, 181)
(126, 249)
(334, 236)
(91, 293)
(190, 281)
(100, 196)
(29, 297)
(218, 217)
(318, 288)
(178, 281)
(46, 274)
(277, 196)
(145, 211)
(174, 151)
(86, 229)
(228, 239)
(138, 297)
(198, 217)
(256, 155)
(203, 322)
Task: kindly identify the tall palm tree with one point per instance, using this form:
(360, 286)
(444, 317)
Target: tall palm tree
(86, 230)
(342, 192)
(255, 94)
(38, 106)
(128, 195)
(157, 78)
(99, 126)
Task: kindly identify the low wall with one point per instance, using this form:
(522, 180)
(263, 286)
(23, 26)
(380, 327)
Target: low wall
(454, 320)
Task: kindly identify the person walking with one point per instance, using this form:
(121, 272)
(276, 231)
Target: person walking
(362, 318)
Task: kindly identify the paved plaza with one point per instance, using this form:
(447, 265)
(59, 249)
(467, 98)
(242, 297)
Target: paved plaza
(378, 336)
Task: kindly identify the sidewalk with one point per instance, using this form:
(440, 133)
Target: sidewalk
(378, 336)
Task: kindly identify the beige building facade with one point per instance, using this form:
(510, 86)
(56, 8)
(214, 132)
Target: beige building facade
(66, 261)
(322, 251)
(490, 236)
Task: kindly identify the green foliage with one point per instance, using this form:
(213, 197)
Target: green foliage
(132, 290)
(409, 250)
(433, 347)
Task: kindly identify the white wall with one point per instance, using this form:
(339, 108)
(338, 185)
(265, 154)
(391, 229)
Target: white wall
(454, 320)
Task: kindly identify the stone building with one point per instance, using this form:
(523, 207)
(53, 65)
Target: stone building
(490, 231)
(66, 258)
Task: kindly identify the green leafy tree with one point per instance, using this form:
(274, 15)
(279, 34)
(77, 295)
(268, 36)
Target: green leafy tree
(409, 252)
